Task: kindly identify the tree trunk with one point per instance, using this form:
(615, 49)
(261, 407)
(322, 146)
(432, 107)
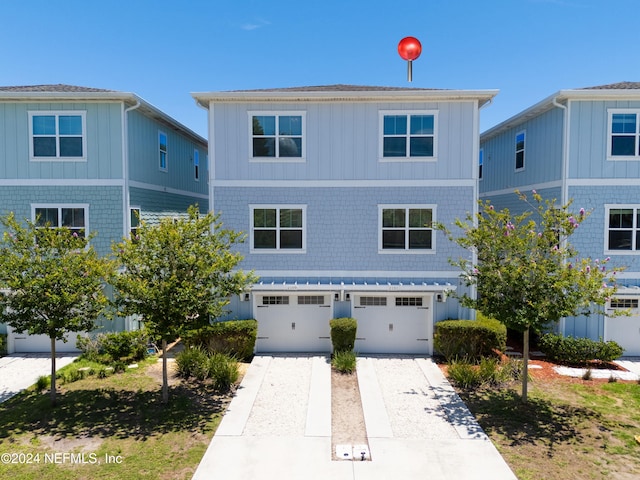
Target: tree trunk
(525, 365)
(53, 371)
(165, 381)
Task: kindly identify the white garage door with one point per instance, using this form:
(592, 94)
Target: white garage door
(23, 343)
(625, 330)
(293, 323)
(393, 323)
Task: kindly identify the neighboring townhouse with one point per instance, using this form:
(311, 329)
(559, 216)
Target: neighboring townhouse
(581, 145)
(337, 188)
(95, 161)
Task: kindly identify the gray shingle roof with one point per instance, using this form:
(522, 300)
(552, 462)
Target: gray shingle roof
(616, 86)
(338, 88)
(58, 88)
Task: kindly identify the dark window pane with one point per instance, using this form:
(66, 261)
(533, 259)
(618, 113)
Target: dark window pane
(290, 125)
(393, 217)
(44, 125)
(290, 147)
(264, 217)
(47, 217)
(395, 125)
(520, 159)
(623, 146)
(395, 147)
(71, 146)
(264, 125)
(621, 218)
(393, 239)
(623, 123)
(290, 238)
(420, 217)
(422, 124)
(520, 141)
(264, 147)
(420, 239)
(620, 240)
(291, 218)
(421, 146)
(73, 217)
(264, 239)
(70, 125)
(44, 146)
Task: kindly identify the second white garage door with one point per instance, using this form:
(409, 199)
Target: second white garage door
(625, 329)
(293, 322)
(393, 323)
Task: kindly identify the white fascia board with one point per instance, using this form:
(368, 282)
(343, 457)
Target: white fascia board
(351, 287)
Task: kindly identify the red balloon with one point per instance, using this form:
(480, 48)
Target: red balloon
(409, 48)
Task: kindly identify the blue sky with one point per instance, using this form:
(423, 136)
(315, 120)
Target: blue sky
(163, 50)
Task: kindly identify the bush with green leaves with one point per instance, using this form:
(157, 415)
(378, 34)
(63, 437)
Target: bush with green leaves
(344, 361)
(343, 333)
(489, 373)
(195, 362)
(3, 344)
(113, 347)
(578, 351)
(470, 339)
(234, 337)
(223, 370)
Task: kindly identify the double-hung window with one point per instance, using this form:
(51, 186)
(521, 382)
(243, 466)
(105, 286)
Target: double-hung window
(520, 145)
(57, 135)
(623, 229)
(624, 135)
(408, 136)
(277, 136)
(278, 228)
(406, 229)
(73, 217)
(196, 164)
(162, 152)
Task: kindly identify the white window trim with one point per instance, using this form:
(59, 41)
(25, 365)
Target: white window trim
(279, 251)
(196, 163)
(60, 206)
(57, 113)
(166, 156)
(278, 113)
(610, 113)
(524, 151)
(407, 251)
(408, 113)
(636, 228)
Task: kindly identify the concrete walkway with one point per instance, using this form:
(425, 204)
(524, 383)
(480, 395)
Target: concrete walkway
(278, 425)
(21, 370)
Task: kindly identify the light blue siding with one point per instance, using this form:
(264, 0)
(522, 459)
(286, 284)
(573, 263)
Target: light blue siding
(543, 154)
(144, 156)
(342, 143)
(342, 226)
(515, 205)
(103, 140)
(587, 327)
(154, 204)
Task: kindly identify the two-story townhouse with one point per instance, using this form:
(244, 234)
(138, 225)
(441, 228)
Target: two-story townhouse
(581, 145)
(95, 161)
(337, 188)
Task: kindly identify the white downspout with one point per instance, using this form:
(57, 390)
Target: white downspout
(126, 224)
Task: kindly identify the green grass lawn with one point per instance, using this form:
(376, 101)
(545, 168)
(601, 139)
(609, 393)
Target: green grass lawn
(569, 429)
(117, 422)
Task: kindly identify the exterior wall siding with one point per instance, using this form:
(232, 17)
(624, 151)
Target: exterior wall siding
(517, 206)
(342, 143)
(154, 204)
(103, 141)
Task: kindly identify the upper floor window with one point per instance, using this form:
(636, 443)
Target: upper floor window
(623, 228)
(57, 135)
(162, 150)
(275, 228)
(520, 144)
(408, 136)
(196, 165)
(406, 228)
(134, 221)
(624, 135)
(277, 135)
(73, 217)
(480, 164)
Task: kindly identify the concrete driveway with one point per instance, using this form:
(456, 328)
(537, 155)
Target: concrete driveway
(278, 425)
(21, 370)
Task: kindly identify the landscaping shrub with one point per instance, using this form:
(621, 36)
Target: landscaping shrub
(470, 339)
(343, 334)
(489, 373)
(3, 344)
(192, 362)
(223, 370)
(577, 351)
(114, 347)
(344, 361)
(43, 382)
(236, 338)
(219, 367)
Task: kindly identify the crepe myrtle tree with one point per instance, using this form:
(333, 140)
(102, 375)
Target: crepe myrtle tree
(176, 274)
(52, 282)
(525, 272)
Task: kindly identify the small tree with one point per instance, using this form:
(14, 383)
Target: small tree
(526, 273)
(52, 281)
(177, 273)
